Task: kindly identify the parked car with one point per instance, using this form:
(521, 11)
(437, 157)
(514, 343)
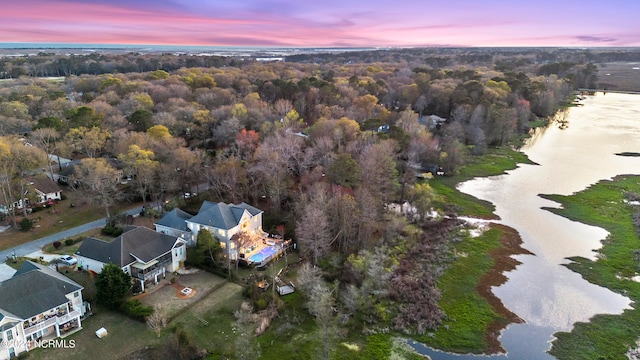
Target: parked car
(68, 260)
(189, 195)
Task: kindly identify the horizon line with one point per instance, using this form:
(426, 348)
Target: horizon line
(74, 45)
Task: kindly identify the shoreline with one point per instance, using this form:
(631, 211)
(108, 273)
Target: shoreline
(614, 269)
(503, 262)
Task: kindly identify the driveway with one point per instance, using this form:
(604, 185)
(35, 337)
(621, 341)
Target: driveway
(6, 272)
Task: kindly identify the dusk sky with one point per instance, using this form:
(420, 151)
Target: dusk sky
(323, 23)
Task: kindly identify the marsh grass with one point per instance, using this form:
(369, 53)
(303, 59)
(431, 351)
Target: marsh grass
(605, 336)
(494, 162)
(468, 314)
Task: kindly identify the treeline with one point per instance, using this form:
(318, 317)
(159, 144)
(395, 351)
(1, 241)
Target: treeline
(52, 65)
(321, 147)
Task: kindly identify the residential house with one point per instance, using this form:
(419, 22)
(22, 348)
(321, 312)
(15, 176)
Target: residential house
(174, 223)
(141, 252)
(66, 174)
(224, 221)
(46, 189)
(37, 303)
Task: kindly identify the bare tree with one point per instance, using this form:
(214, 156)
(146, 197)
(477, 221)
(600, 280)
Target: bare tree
(25, 159)
(158, 320)
(321, 305)
(313, 232)
(99, 181)
(46, 139)
(309, 276)
(246, 347)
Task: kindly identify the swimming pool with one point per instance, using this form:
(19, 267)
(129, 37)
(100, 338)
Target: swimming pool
(263, 254)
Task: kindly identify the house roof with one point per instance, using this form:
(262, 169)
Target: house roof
(221, 215)
(33, 289)
(45, 185)
(175, 219)
(138, 243)
(67, 170)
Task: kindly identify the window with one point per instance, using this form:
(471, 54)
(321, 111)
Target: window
(76, 294)
(9, 335)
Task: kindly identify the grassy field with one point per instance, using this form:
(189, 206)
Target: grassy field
(209, 325)
(494, 162)
(121, 331)
(58, 218)
(619, 76)
(605, 336)
(210, 322)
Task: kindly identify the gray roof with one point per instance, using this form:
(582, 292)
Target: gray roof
(8, 325)
(34, 289)
(175, 219)
(221, 215)
(137, 243)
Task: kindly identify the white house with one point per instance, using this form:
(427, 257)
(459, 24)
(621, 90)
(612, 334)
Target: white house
(46, 190)
(224, 221)
(37, 304)
(144, 254)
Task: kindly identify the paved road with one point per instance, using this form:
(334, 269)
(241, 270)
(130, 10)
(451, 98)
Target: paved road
(36, 245)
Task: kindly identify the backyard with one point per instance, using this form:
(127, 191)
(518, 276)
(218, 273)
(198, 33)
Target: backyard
(168, 293)
(206, 317)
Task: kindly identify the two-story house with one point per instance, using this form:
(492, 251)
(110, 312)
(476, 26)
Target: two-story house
(144, 254)
(37, 303)
(226, 220)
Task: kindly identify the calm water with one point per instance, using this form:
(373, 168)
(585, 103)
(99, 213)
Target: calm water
(548, 296)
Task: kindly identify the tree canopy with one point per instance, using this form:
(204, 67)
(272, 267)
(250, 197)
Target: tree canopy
(112, 286)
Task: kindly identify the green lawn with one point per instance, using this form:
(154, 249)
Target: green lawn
(124, 336)
(208, 325)
(605, 336)
(292, 334)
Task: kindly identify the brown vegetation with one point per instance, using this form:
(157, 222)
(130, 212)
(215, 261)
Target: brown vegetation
(504, 262)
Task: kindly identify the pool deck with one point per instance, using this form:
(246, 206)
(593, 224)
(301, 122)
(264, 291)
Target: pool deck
(274, 247)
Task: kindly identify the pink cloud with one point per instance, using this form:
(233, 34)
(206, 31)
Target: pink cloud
(331, 23)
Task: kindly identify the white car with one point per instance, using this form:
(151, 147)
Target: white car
(68, 260)
(189, 195)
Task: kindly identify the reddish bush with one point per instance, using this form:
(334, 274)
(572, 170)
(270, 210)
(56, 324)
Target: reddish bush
(57, 244)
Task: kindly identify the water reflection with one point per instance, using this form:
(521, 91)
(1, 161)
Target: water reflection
(548, 296)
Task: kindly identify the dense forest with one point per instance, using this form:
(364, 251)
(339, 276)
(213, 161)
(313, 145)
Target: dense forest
(321, 142)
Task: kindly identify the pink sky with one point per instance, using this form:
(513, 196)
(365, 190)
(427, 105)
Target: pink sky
(324, 23)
